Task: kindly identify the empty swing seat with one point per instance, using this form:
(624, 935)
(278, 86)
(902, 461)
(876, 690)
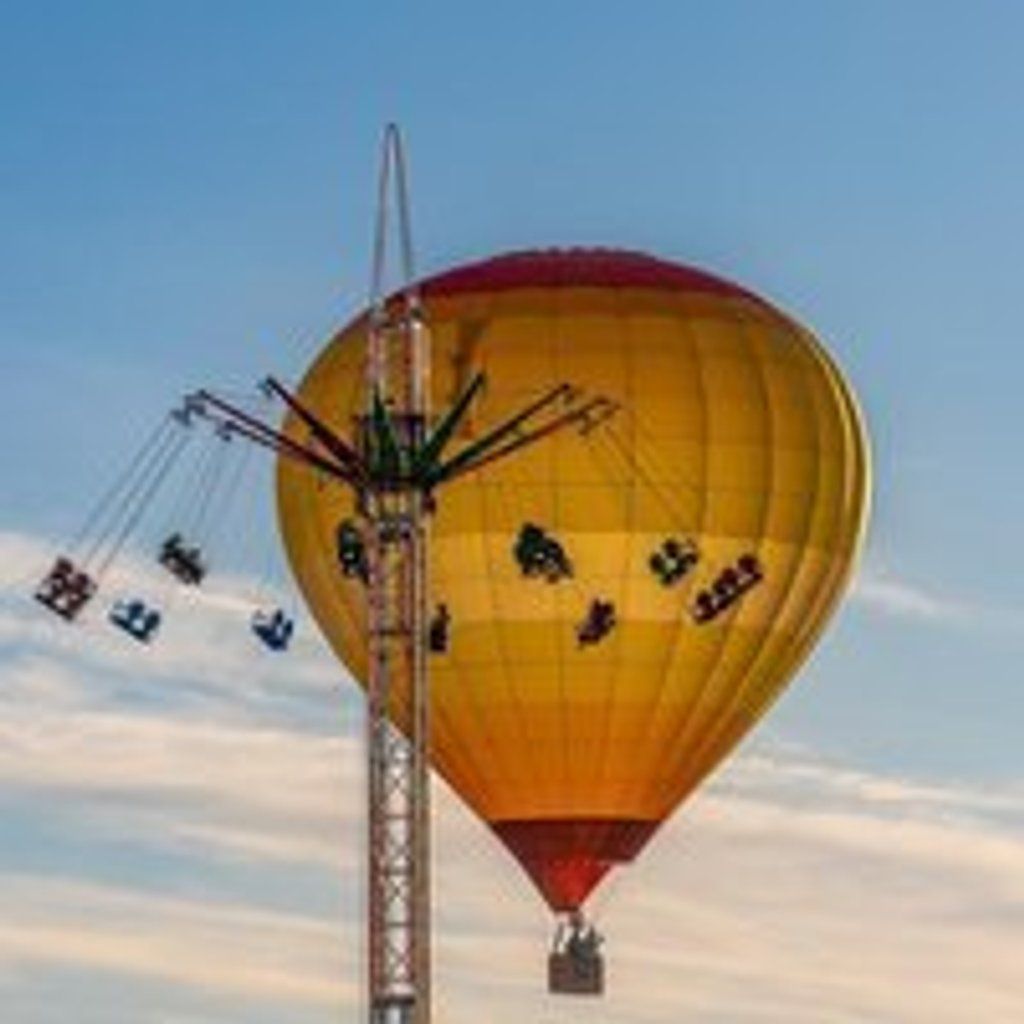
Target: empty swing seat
(136, 619)
(274, 629)
(66, 589)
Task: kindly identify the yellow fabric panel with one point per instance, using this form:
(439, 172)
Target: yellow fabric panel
(735, 429)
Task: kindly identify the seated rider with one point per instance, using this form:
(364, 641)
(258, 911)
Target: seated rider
(539, 554)
(439, 629)
(184, 562)
(705, 608)
(673, 560)
(599, 622)
(351, 551)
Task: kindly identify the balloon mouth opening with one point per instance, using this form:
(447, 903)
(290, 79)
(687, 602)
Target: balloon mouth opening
(566, 858)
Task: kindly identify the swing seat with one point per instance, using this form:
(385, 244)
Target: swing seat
(66, 589)
(136, 619)
(673, 561)
(538, 554)
(730, 585)
(600, 621)
(184, 563)
(274, 629)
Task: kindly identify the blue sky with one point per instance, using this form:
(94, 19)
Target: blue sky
(185, 197)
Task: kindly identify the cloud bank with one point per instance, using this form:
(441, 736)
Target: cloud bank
(180, 835)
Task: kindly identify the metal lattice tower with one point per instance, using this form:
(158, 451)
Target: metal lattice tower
(397, 518)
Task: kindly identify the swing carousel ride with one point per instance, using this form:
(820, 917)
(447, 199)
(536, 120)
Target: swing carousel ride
(571, 592)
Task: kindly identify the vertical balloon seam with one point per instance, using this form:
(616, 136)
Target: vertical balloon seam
(725, 713)
(613, 696)
(447, 764)
(830, 591)
(859, 489)
(656, 784)
(783, 596)
(504, 663)
(698, 768)
(556, 345)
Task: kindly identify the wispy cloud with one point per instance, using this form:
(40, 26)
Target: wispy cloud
(886, 594)
(891, 596)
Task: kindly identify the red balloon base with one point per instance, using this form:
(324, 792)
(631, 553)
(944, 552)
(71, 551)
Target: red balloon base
(567, 857)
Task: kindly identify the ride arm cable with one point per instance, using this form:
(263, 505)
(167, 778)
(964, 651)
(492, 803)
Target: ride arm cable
(124, 510)
(144, 502)
(100, 509)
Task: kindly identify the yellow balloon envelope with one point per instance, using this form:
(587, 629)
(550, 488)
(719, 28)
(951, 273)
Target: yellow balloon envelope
(718, 513)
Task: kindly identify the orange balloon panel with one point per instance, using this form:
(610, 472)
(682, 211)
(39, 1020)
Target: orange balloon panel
(735, 432)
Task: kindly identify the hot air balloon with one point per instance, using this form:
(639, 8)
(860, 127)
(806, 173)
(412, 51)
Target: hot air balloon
(619, 605)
